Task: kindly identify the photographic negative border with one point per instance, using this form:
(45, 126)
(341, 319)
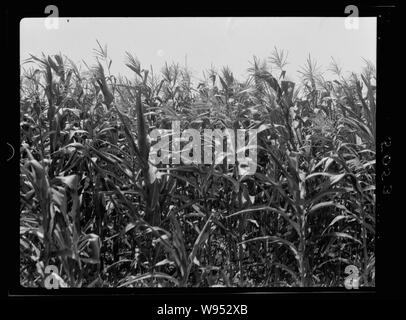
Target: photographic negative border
(388, 283)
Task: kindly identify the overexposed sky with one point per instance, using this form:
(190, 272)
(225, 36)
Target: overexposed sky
(205, 41)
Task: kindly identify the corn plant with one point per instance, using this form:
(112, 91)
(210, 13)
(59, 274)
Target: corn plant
(94, 205)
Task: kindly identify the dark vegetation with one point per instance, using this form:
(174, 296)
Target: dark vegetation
(92, 204)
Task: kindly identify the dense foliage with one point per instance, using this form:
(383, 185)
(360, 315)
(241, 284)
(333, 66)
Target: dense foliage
(92, 204)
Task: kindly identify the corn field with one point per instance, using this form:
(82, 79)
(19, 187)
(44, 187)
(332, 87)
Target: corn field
(93, 205)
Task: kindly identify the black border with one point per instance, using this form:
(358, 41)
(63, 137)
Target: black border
(389, 280)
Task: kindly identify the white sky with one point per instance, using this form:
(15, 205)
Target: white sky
(205, 41)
